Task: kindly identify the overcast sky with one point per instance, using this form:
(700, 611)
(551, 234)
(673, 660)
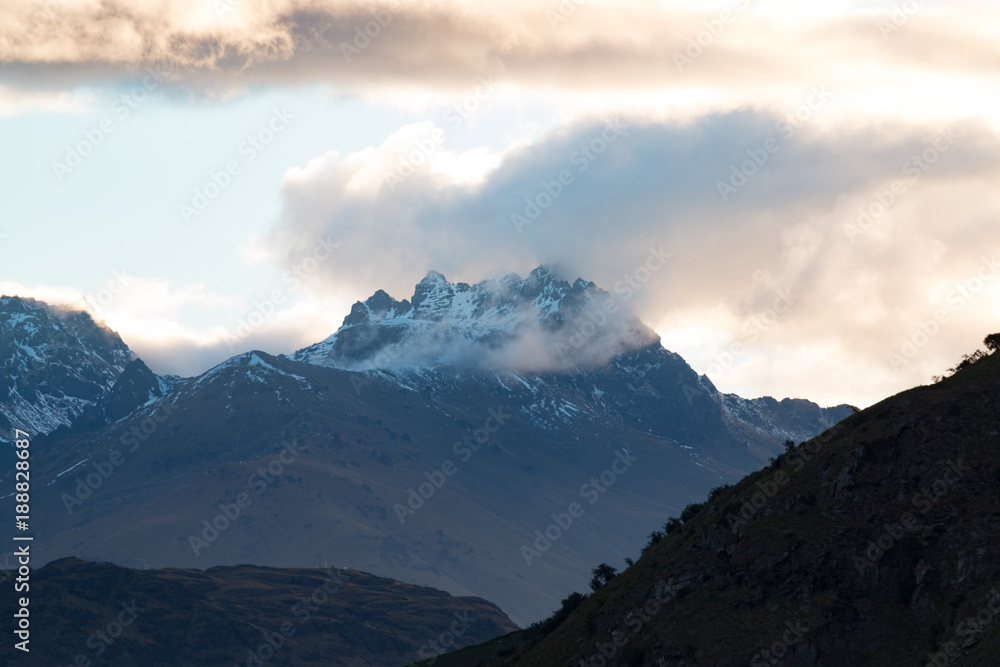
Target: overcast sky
(214, 176)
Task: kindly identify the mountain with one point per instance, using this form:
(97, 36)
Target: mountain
(54, 364)
(545, 324)
(101, 614)
(438, 468)
(539, 323)
(136, 387)
(876, 543)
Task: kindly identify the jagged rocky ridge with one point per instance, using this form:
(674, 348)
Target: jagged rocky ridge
(539, 323)
(54, 364)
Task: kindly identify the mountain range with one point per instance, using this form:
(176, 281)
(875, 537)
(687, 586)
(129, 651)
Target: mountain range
(493, 440)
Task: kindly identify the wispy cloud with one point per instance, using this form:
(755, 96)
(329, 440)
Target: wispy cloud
(15, 101)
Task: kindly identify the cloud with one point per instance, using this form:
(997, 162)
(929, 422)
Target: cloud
(171, 348)
(868, 228)
(149, 314)
(542, 323)
(655, 56)
(56, 296)
(14, 102)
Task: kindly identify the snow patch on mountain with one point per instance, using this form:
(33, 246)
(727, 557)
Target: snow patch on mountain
(542, 323)
(54, 364)
(253, 366)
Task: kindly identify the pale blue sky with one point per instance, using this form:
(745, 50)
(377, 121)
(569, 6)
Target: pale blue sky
(120, 207)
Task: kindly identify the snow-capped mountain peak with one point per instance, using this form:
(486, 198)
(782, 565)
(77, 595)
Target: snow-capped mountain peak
(541, 322)
(54, 364)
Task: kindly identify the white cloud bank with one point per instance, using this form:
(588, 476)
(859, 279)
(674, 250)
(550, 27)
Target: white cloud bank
(816, 251)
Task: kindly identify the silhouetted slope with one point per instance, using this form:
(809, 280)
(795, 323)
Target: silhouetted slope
(877, 544)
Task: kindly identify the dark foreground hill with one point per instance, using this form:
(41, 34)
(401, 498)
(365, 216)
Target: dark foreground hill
(876, 543)
(85, 613)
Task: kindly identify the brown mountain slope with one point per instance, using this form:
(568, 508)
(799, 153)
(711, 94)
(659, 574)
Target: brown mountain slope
(385, 473)
(877, 543)
(86, 613)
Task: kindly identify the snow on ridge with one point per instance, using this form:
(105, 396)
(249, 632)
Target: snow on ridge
(43, 347)
(256, 369)
(215, 370)
(509, 324)
(73, 467)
